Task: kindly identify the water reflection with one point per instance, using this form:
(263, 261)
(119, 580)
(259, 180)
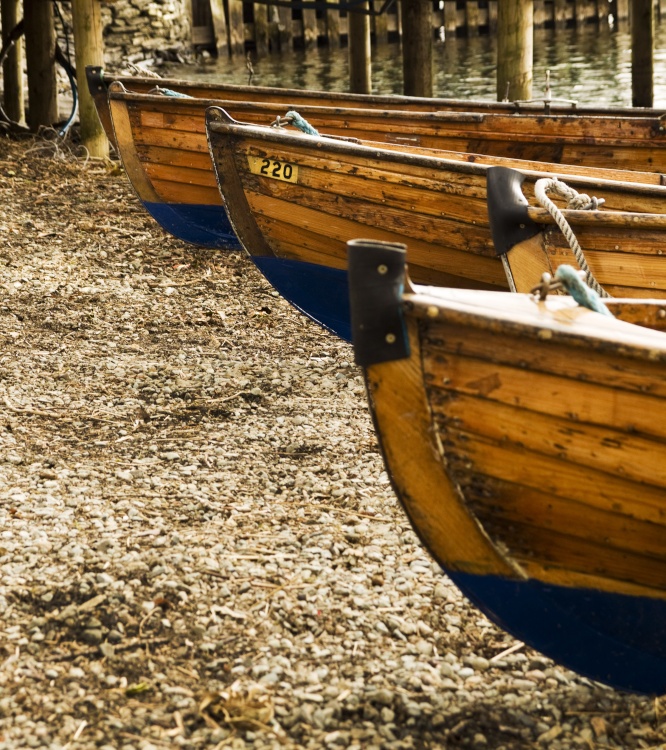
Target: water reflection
(591, 65)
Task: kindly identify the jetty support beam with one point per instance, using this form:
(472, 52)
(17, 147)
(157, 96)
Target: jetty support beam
(515, 46)
(417, 33)
(642, 53)
(360, 69)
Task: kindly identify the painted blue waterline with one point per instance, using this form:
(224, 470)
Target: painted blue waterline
(319, 292)
(616, 639)
(198, 224)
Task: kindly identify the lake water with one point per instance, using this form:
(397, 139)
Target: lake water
(591, 65)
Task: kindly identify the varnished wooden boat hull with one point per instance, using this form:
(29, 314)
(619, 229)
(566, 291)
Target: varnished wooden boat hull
(296, 231)
(634, 118)
(527, 443)
(161, 139)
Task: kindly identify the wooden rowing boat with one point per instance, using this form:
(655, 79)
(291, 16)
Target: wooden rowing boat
(526, 441)
(162, 144)
(629, 126)
(295, 200)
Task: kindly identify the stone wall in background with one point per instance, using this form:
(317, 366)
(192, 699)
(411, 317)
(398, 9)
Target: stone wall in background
(149, 31)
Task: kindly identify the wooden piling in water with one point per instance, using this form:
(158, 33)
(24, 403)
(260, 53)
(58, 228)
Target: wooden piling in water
(236, 27)
(360, 71)
(261, 37)
(12, 69)
(285, 28)
(40, 42)
(275, 28)
(333, 28)
(642, 53)
(515, 44)
(89, 50)
(417, 46)
(309, 28)
(219, 27)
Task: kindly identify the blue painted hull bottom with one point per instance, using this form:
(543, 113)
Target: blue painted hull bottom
(616, 639)
(202, 225)
(322, 293)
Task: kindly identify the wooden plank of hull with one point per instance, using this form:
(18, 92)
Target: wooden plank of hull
(313, 237)
(197, 195)
(588, 402)
(557, 359)
(563, 438)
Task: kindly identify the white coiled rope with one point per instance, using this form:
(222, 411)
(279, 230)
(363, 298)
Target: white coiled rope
(576, 201)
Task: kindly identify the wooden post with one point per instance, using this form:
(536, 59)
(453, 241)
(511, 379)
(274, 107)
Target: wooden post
(541, 16)
(642, 53)
(380, 24)
(261, 35)
(360, 75)
(560, 13)
(472, 15)
(622, 10)
(603, 9)
(309, 28)
(580, 12)
(515, 44)
(12, 70)
(236, 28)
(285, 27)
(219, 27)
(417, 45)
(333, 28)
(450, 17)
(40, 41)
(89, 50)
(492, 16)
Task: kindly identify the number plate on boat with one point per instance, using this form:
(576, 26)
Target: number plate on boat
(278, 170)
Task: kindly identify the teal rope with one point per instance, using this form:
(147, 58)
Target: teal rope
(579, 290)
(171, 92)
(299, 122)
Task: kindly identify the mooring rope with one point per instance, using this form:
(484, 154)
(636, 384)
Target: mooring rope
(169, 92)
(293, 118)
(576, 201)
(576, 287)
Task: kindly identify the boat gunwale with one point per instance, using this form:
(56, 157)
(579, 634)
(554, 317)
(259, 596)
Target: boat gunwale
(509, 107)
(626, 339)
(437, 116)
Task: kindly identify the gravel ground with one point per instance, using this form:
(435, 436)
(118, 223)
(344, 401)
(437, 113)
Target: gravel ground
(199, 546)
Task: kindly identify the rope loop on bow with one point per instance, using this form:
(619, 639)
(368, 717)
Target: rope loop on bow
(576, 201)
